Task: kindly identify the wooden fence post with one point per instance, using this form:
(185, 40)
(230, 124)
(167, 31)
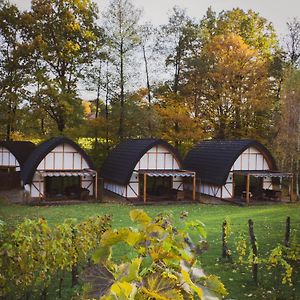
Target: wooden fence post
(287, 232)
(254, 250)
(225, 250)
(75, 280)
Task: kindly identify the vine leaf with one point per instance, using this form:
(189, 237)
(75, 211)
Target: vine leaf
(192, 285)
(101, 254)
(133, 238)
(140, 217)
(123, 291)
(198, 226)
(214, 284)
(99, 278)
(111, 237)
(156, 287)
(130, 272)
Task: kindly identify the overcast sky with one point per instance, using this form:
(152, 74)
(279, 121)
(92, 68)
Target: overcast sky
(156, 11)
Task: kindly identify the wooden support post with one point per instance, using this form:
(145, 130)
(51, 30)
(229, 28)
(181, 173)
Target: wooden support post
(233, 186)
(194, 187)
(248, 189)
(96, 187)
(145, 188)
(292, 189)
(40, 179)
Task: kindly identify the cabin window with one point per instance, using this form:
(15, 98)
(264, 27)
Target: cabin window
(7, 169)
(64, 186)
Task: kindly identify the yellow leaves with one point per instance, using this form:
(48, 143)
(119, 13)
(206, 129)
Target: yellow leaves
(186, 277)
(88, 35)
(133, 238)
(140, 217)
(71, 47)
(215, 285)
(74, 26)
(123, 291)
(86, 105)
(126, 235)
(130, 272)
(101, 254)
(178, 121)
(160, 288)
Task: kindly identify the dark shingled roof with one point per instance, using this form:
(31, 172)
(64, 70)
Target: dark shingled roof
(213, 159)
(42, 150)
(20, 149)
(120, 163)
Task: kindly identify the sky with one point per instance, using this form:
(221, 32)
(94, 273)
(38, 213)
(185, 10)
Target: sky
(156, 11)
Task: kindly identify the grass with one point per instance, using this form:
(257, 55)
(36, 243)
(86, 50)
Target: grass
(269, 226)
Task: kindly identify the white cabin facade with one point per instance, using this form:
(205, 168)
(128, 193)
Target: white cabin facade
(8, 160)
(56, 166)
(156, 158)
(250, 159)
(137, 167)
(221, 165)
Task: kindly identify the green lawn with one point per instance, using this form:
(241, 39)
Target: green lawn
(269, 225)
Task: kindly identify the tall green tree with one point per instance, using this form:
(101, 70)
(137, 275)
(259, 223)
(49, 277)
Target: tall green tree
(177, 39)
(63, 35)
(256, 31)
(121, 28)
(13, 68)
(288, 138)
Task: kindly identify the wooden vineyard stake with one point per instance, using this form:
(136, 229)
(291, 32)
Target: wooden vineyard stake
(254, 250)
(225, 250)
(287, 232)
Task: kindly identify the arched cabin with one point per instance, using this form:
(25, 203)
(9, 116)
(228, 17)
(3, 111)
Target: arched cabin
(59, 169)
(230, 169)
(13, 155)
(143, 169)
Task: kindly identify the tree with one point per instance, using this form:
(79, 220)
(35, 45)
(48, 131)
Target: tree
(293, 42)
(63, 36)
(13, 67)
(147, 33)
(233, 87)
(177, 124)
(255, 30)
(288, 139)
(176, 40)
(121, 25)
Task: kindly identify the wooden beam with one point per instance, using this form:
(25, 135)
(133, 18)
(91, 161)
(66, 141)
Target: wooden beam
(40, 177)
(194, 187)
(145, 188)
(292, 189)
(233, 186)
(248, 189)
(96, 186)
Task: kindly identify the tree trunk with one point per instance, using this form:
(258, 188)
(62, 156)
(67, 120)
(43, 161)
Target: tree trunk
(148, 90)
(42, 126)
(60, 123)
(8, 131)
(122, 96)
(75, 275)
(98, 92)
(44, 294)
(106, 108)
